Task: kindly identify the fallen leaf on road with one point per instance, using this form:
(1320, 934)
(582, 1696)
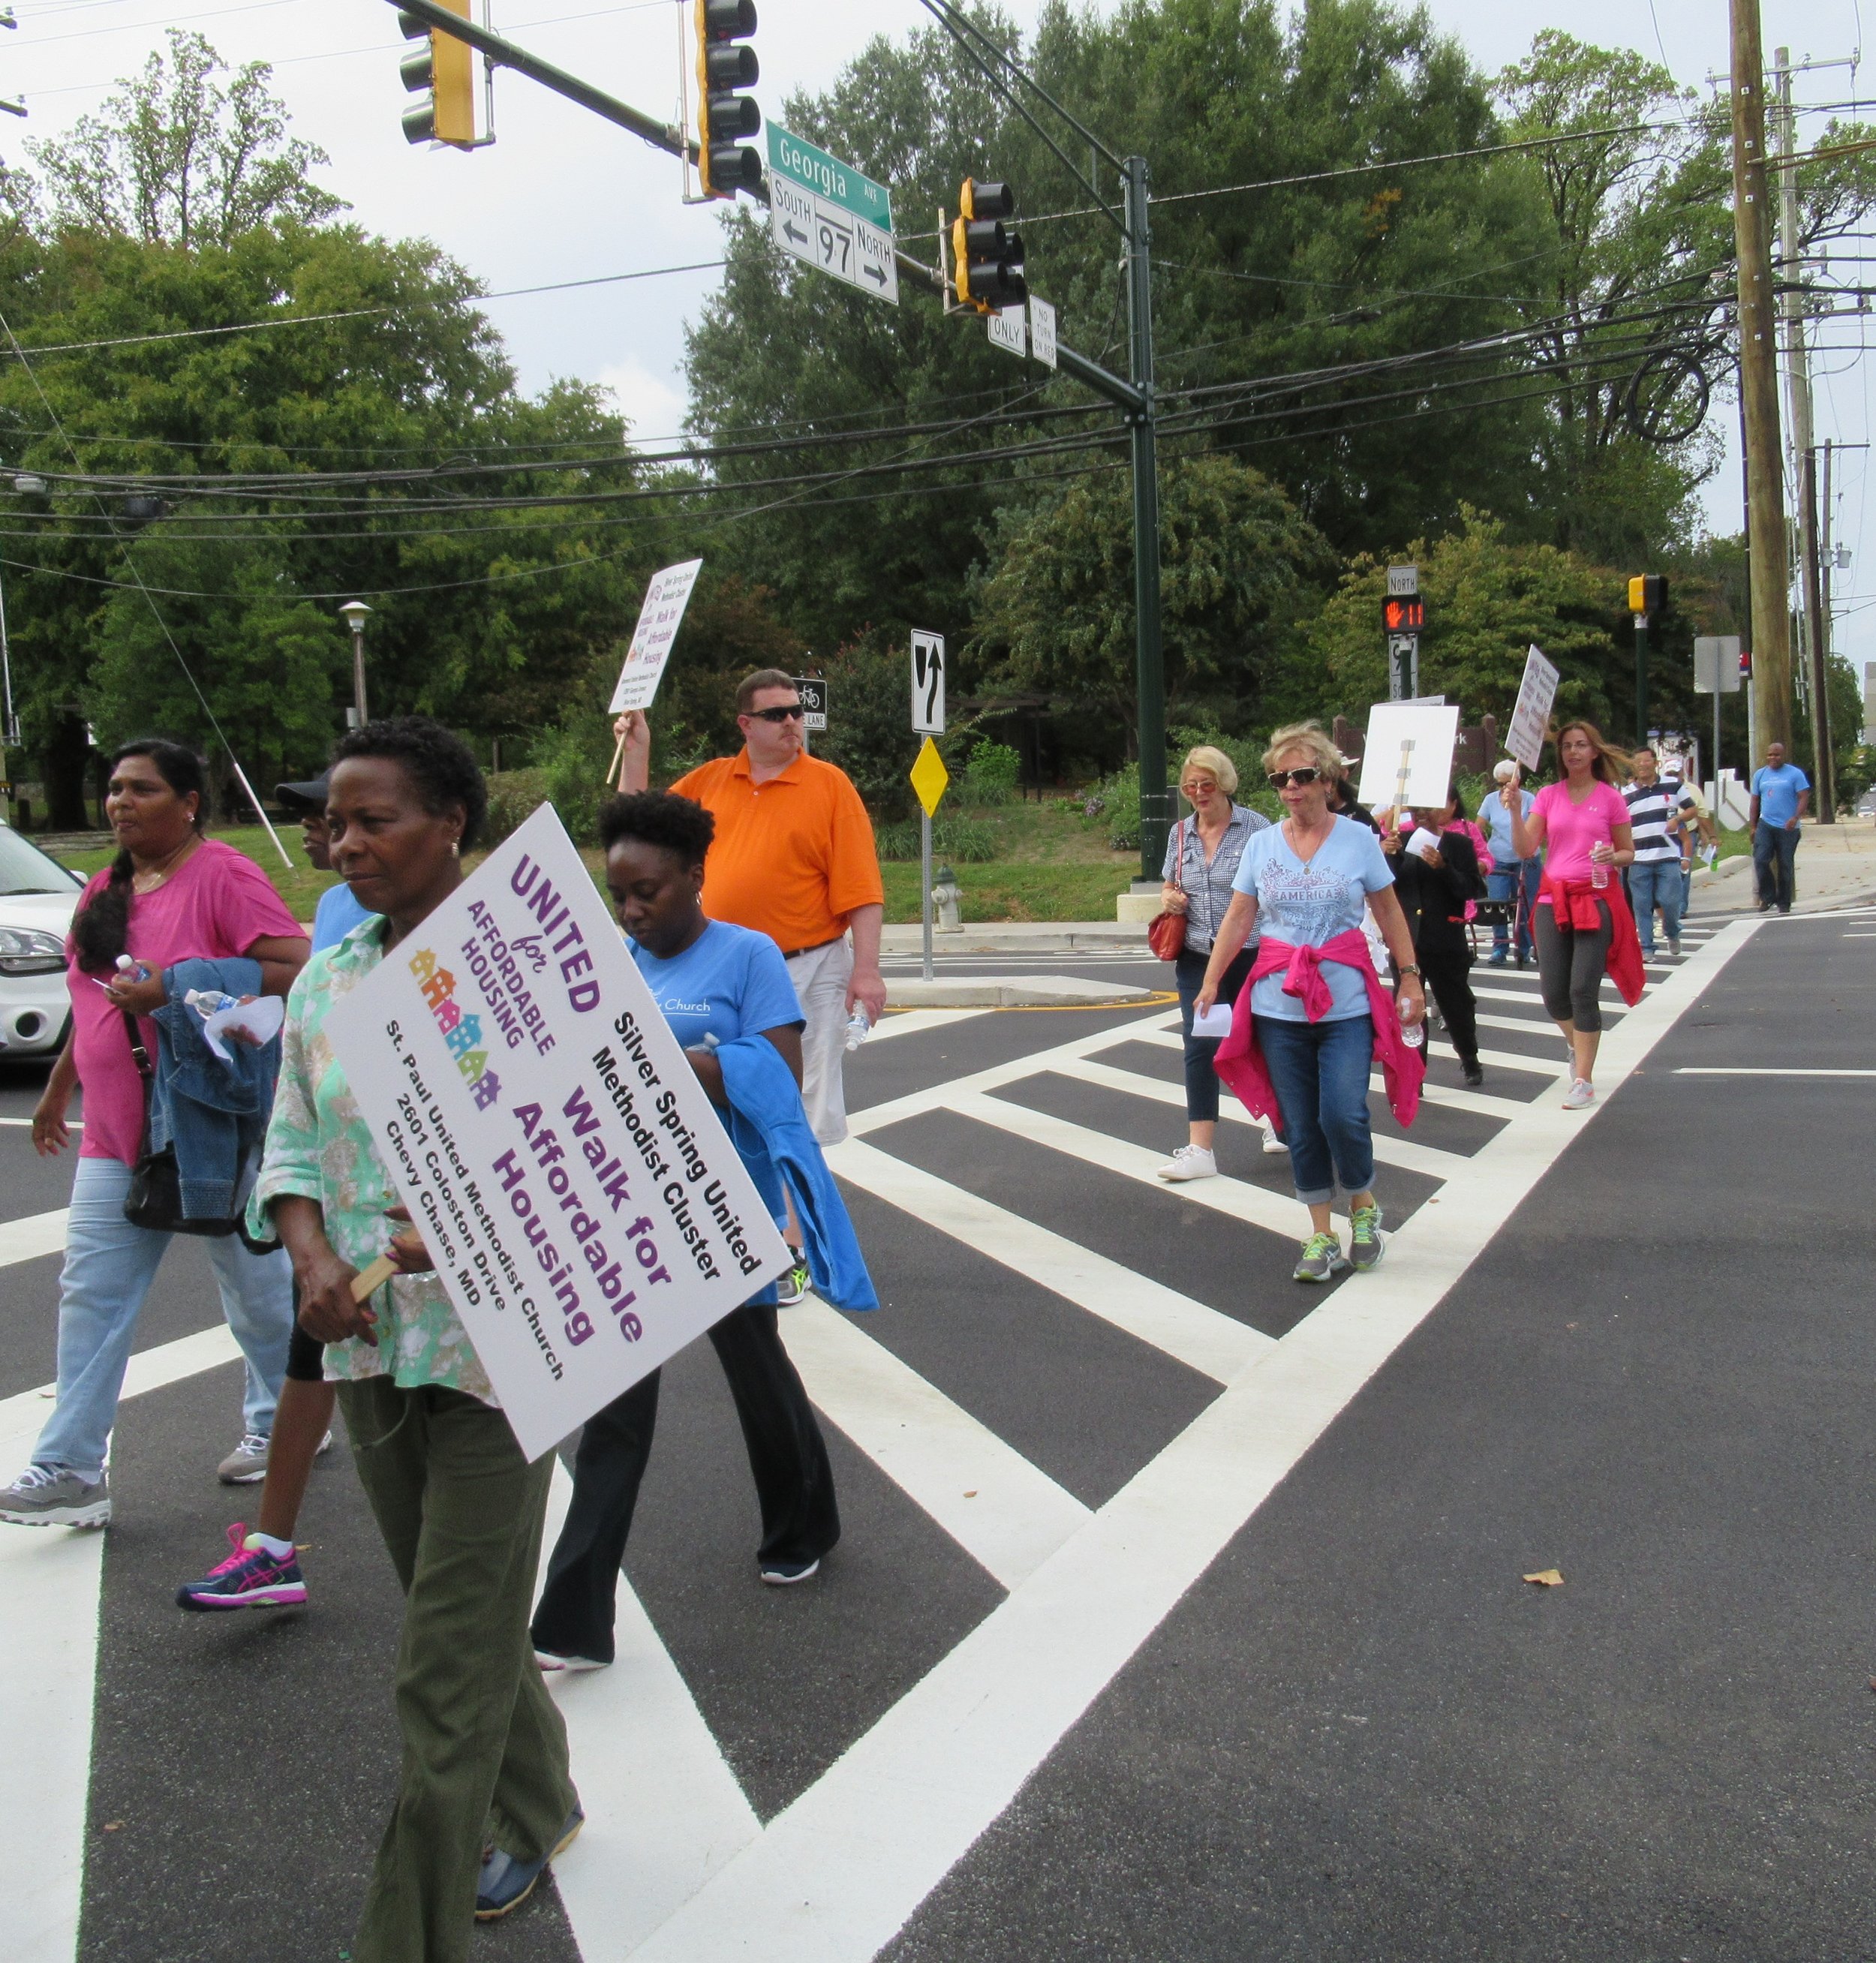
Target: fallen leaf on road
(1547, 1578)
(112, 1826)
(972, 1494)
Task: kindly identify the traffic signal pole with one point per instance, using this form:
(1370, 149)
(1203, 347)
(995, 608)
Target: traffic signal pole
(1134, 397)
(1149, 662)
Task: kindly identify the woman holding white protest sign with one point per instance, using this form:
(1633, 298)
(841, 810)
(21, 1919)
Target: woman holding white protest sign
(719, 986)
(460, 1508)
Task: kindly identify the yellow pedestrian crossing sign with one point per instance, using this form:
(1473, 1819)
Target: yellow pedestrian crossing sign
(930, 777)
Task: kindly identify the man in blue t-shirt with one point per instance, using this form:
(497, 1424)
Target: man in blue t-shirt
(1781, 798)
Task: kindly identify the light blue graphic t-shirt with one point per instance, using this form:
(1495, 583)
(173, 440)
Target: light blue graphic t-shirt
(729, 981)
(1777, 792)
(1306, 905)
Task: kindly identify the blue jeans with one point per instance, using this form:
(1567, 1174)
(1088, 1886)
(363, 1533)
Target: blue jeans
(1518, 881)
(1201, 1079)
(1775, 854)
(1652, 883)
(1321, 1071)
(109, 1266)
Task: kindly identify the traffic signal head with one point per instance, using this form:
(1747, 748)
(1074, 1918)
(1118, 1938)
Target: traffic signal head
(444, 69)
(987, 268)
(1404, 614)
(725, 116)
(1648, 592)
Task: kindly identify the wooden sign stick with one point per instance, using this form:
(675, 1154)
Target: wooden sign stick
(619, 750)
(368, 1281)
(1400, 782)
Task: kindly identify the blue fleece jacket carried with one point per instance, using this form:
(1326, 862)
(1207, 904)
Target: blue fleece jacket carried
(770, 1130)
(215, 1113)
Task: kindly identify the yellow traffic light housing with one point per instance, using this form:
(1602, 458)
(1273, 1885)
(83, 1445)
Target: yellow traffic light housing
(724, 165)
(986, 259)
(445, 68)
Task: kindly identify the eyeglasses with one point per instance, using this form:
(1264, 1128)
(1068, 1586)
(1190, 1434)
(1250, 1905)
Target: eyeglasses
(1308, 774)
(789, 712)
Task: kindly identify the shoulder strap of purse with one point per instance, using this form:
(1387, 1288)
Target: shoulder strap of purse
(138, 1054)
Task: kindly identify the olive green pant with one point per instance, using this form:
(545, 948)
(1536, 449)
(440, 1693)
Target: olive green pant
(485, 1755)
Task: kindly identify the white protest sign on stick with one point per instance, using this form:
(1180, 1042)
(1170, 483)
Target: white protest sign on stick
(581, 1198)
(1407, 758)
(665, 600)
(1530, 714)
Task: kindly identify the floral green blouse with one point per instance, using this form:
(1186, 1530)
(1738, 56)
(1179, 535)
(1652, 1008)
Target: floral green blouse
(319, 1146)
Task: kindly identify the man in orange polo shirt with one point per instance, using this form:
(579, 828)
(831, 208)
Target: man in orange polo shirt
(794, 859)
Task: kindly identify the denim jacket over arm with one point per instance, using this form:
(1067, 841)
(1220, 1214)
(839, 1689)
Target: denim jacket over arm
(215, 1113)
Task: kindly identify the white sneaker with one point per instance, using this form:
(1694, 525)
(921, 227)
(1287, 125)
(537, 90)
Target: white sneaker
(1580, 1095)
(1189, 1162)
(1272, 1143)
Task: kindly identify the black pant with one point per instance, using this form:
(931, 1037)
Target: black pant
(1570, 966)
(1201, 1079)
(787, 1455)
(1447, 976)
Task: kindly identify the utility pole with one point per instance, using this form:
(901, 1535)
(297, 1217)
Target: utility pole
(1156, 814)
(1804, 450)
(1759, 384)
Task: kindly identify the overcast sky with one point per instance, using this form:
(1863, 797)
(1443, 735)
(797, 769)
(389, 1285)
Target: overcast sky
(563, 196)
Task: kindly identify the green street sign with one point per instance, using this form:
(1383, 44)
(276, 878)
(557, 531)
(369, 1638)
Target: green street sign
(813, 169)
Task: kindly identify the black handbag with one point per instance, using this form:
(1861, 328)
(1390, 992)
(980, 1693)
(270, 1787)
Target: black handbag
(155, 1200)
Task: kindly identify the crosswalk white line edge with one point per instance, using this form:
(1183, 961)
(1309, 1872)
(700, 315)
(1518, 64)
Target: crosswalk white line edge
(836, 1875)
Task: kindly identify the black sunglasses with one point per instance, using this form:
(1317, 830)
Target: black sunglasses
(783, 713)
(1306, 775)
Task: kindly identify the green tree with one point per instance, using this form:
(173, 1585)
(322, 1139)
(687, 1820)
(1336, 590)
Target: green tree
(176, 157)
(1489, 600)
(1239, 566)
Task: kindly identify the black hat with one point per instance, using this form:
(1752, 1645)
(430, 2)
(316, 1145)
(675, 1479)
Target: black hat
(308, 796)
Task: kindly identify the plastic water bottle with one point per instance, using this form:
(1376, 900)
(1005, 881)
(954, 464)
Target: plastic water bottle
(132, 971)
(858, 1028)
(1413, 1034)
(1599, 874)
(206, 1003)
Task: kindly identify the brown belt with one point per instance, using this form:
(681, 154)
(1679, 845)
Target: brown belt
(795, 953)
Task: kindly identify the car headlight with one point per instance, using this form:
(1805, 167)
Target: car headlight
(28, 950)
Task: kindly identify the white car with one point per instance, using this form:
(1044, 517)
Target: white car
(38, 897)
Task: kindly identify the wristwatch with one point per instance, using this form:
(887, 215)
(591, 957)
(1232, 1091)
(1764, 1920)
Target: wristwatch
(1409, 970)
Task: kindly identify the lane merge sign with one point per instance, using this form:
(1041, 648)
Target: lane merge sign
(829, 215)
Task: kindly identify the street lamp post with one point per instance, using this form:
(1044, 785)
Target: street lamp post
(353, 614)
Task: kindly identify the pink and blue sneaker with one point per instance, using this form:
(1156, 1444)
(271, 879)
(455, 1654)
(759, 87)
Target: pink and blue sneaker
(251, 1577)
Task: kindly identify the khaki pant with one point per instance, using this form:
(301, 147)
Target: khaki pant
(484, 1750)
(820, 977)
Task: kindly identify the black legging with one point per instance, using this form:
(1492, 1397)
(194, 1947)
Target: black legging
(787, 1455)
(1448, 977)
(1570, 964)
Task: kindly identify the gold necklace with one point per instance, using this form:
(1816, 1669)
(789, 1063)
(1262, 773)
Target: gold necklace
(148, 882)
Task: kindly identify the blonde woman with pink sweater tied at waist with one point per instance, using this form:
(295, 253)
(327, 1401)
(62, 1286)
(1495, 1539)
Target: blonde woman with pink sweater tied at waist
(1308, 1029)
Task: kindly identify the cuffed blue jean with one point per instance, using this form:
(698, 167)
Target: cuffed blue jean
(1652, 883)
(1321, 1071)
(109, 1266)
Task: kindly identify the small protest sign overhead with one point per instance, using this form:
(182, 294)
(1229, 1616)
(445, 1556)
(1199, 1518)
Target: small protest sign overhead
(580, 1197)
(1531, 713)
(652, 639)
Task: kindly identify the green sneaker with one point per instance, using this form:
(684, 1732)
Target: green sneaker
(1366, 1242)
(1323, 1259)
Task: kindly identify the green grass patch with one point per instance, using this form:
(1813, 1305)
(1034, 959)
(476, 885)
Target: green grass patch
(1006, 890)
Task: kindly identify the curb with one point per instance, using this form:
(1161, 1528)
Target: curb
(1032, 991)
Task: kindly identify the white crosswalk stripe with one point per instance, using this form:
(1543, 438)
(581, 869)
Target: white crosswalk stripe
(675, 1864)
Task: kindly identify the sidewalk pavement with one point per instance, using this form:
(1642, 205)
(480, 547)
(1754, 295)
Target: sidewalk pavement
(1836, 865)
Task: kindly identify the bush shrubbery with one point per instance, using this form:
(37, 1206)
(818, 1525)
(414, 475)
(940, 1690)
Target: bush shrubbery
(958, 838)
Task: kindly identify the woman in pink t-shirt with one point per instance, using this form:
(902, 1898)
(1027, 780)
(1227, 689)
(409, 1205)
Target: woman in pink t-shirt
(1581, 825)
(171, 894)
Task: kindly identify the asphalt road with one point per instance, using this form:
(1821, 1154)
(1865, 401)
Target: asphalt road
(1179, 1608)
